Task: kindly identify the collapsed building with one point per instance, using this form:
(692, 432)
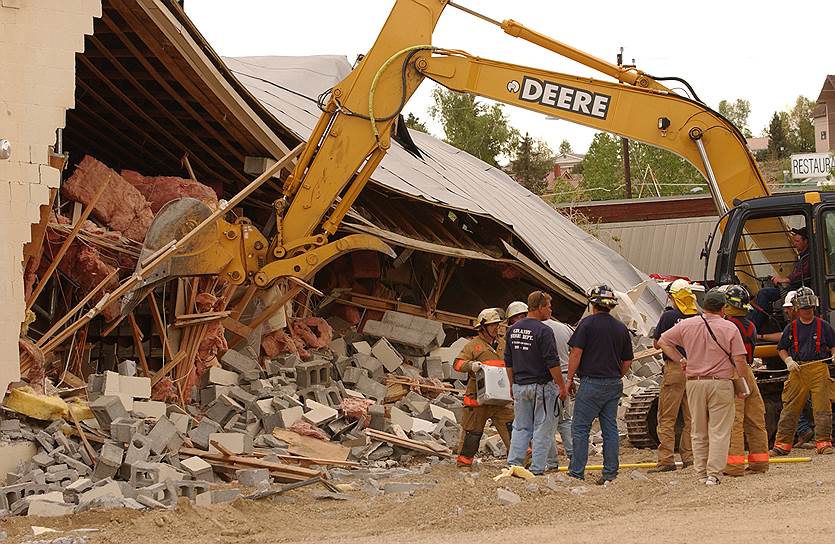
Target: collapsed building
(156, 116)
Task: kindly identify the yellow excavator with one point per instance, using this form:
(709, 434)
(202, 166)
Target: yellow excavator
(354, 131)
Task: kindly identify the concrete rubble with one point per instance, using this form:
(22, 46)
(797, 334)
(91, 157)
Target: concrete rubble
(148, 454)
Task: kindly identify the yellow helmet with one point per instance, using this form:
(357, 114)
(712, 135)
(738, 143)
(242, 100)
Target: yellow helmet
(488, 316)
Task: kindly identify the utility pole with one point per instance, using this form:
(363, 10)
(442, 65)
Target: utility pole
(627, 174)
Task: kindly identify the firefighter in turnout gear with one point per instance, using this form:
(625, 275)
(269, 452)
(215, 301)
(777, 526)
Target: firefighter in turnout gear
(481, 351)
(749, 420)
(807, 345)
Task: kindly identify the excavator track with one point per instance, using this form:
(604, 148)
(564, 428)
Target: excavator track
(641, 418)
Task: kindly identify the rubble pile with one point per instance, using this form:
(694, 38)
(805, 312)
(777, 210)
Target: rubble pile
(374, 400)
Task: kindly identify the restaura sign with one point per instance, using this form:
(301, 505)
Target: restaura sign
(812, 165)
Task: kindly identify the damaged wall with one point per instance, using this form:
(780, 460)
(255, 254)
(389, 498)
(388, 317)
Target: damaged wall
(37, 78)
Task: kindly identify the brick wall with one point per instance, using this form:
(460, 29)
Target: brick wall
(38, 42)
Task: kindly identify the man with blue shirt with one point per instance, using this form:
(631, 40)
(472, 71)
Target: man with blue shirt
(533, 369)
(601, 353)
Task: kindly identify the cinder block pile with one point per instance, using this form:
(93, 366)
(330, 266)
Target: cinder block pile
(141, 454)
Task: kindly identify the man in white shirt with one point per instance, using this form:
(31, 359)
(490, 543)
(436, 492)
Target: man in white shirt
(562, 333)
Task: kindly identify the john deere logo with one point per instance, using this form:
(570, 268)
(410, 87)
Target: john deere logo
(561, 97)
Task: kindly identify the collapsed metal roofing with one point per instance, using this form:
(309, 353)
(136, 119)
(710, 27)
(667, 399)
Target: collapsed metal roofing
(445, 176)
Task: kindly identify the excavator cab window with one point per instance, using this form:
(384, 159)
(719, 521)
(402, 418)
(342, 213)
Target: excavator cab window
(826, 226)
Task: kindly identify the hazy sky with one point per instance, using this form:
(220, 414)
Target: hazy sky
(725, 50)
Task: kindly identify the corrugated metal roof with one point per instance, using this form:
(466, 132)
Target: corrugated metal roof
(446, 176)
(670, 246)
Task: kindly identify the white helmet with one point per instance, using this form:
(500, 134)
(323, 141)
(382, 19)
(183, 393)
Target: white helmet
(678, 285)
(488, 316)
(789, 302)
(515, 308)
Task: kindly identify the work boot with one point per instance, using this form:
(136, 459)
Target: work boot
(777, 452)
(464, 462)
(686, 464)
(804, 437)
(662, 468)
(825, 450)
(603, 480)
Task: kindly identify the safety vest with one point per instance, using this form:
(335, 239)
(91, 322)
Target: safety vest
(749, 336)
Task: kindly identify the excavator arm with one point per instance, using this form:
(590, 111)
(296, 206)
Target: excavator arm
(353, 134)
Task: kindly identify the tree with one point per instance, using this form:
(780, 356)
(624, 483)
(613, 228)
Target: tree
(602, 168)
(673, 174)
(737, 113)
(414, 122)
(778, 144)
(801, 135)
(565, 147)
(479, 129)
(532, 160)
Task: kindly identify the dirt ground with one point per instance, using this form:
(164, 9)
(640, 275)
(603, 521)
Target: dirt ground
(792, 501)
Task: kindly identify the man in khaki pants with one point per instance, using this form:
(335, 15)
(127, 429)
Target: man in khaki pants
(710, 343)
(673, 399)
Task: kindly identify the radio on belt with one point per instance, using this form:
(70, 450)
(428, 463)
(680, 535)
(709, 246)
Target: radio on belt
(492, 385)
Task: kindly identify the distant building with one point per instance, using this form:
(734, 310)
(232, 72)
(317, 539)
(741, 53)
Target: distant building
(563, 166)
(823, 116)
(756, 145)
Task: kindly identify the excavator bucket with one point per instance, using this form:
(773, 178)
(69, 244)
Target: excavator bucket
(205, 254)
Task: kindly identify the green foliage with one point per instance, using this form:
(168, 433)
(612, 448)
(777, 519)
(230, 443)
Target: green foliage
(479, 129)
(801, 134)
(672, 174)
(565, 147)
(737, 112)
(532, 160)
(603, 168)
(414, 122)
(778, 144)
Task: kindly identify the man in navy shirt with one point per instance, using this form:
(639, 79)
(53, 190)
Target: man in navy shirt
(533, 369)
(601, 353)
(807, 345)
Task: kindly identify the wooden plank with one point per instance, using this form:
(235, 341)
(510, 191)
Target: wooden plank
(83, 436)
(308, 460)
(426, 447)
(306, 446)
(35, 246)
(168, 367)
(221, 448)
(236, 327)
(244, 301)
(197, 321)
(137, 343)
(289, 470)
(163, 334)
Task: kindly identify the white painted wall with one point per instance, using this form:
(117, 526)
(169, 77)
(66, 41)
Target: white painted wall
(38, 42)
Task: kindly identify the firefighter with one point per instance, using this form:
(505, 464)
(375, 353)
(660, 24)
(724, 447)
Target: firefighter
(481, 350)
(749, 419)
(807, 345)
(516, 311)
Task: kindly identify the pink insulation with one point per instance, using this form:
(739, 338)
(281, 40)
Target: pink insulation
(159, 190)
(122, 207)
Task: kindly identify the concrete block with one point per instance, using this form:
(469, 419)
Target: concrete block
(319, 414)
(242, 397)
(362, 347)
(386, 354)
(50, 509)
(108, 462)
(399, 417)
(139, 449)
(110, 488)
(43, 459)
(439, 412)
(107, 409)
(74, 464)
(248, 369)
(353, 374)
(218, 376)
(200, 434)
(339, 347)
(126, 368)
(433, 368)
(372, 389)
(237, 443)
(217, 496)
(80, 486)
(313, 373)
(190, 488)
(253, 477)
(144, 474)
(375, 368)
(223, 409)
(111, 383)
(288, 416)
(198, 468)
(149, 409)
(416, 403)
(164, 437)
(182, 422)
(135, 386)
(211, 393)
(164, 493)
(422, 426)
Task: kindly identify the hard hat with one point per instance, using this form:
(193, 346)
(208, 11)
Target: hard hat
(678, 285)
(602, 295)
(789, 302)
(714, 300)
(737, 296)
(515, 308)
(805, 298)
(488, 316)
